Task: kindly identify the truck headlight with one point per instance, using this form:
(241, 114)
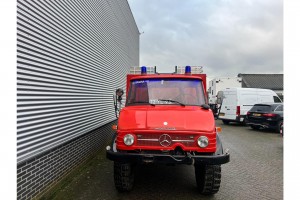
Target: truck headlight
(203, 141)
(128, 139)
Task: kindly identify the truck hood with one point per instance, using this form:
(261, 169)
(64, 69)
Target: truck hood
(188, 118)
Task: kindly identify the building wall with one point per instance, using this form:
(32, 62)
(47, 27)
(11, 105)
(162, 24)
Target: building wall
(71, 56)
(38, 174)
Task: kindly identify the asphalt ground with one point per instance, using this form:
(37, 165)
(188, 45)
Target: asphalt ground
(254, 172)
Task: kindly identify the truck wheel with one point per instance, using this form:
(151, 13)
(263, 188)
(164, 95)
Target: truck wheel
(225, 122)
(254, 127)
(123, 176)
(208, 178)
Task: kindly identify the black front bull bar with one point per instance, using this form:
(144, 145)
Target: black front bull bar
(168, 159)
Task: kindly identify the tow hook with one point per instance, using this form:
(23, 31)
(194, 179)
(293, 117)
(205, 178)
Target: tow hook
(190, 156)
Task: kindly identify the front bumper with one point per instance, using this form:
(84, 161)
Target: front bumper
(168, 159)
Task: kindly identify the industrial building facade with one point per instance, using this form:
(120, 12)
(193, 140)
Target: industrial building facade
(71, 57)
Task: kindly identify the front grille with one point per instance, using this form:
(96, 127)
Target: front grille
(187, 140)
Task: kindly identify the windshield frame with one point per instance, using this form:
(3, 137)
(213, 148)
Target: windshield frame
(200, 92)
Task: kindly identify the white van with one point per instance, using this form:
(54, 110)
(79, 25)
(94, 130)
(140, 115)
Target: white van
(236, 102)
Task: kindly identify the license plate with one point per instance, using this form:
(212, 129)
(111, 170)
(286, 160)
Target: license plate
(256, 114)
(221, 114)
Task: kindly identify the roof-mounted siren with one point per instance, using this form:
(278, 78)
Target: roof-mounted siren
(188, 69)
(143, 70)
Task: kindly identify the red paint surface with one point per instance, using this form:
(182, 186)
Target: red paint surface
(185, 118)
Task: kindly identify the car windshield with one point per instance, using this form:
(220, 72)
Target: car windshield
(261, 108)
(166, 91)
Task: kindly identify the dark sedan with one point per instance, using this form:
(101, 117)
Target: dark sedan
(266, 115)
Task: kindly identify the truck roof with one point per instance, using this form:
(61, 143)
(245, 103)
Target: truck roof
(192, 76)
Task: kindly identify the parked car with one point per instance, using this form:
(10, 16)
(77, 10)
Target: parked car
(266, 115)
(236, 102)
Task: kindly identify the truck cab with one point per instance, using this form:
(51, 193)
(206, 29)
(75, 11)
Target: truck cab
(166, 120)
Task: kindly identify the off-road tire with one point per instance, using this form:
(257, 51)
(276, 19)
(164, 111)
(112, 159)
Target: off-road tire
(208, 178)
(225, 122)
(123, 176)
(254, 127)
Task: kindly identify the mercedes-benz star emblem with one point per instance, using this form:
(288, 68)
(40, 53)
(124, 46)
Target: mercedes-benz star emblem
(165, 140)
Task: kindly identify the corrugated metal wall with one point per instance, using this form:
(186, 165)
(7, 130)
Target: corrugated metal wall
(71, 56)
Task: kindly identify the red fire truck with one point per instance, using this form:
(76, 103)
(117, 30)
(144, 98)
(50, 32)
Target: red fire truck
(166, 120)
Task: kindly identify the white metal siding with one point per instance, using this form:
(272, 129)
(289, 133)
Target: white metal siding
(71, 56)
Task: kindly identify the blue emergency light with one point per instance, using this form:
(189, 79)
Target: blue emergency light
(143, 70)
(188, 69)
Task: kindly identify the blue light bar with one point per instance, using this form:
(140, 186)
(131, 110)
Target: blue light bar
(188, 69)
(143, 70)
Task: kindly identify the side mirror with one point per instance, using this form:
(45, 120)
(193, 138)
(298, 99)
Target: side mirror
(119, 94)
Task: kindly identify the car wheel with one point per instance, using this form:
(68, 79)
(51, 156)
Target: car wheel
(279, 126)
(123, 176)
(225, 122)
(208, 178)
(254, 127)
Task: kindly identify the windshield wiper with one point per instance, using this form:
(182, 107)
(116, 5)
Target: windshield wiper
(173, 101)
(144, 102)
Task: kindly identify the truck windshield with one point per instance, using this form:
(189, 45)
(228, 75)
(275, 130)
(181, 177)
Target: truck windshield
(166, 92)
